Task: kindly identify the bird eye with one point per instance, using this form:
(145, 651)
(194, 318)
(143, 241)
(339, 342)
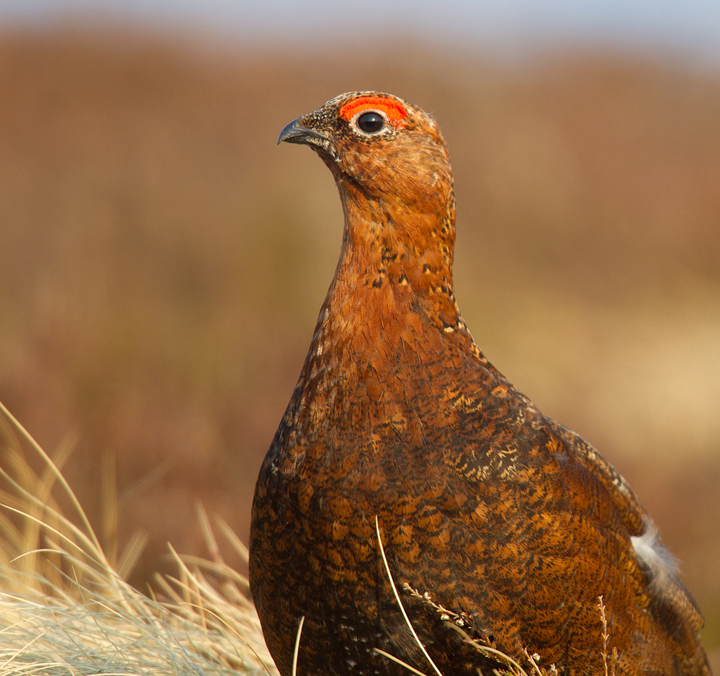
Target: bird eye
(371, 122)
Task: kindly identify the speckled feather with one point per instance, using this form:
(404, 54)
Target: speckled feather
(512, 524)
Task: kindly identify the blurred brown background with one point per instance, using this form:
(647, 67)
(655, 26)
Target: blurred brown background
(162, 263)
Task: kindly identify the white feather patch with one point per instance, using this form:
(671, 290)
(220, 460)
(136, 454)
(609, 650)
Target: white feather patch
(654, 557)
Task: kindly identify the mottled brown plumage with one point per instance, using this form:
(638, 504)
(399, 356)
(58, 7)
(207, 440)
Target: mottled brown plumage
(512, 524)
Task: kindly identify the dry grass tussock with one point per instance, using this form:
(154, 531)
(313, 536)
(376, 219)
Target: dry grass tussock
(65, 607)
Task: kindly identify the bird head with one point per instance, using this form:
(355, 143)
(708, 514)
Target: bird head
(380, 145)
(393, 172)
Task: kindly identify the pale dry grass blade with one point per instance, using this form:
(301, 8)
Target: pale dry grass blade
(400, 662)
(237, 544)
(110, 516)
(207, 532)
(131, 554)
(296, 650)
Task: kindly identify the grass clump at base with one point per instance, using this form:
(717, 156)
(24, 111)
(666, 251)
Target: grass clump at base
(65, 608)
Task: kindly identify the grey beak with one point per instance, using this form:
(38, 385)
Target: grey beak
(295, 133)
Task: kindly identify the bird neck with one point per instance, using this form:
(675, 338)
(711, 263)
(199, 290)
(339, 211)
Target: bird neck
(392, 248)
(392, 293)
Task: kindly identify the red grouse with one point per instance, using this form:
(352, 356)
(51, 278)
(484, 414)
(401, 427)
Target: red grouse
(414, 506)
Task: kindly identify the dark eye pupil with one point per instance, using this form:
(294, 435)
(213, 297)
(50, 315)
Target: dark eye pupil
(371, 122)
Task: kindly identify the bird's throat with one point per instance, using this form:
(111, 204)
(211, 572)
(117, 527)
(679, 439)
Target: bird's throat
(386, 243)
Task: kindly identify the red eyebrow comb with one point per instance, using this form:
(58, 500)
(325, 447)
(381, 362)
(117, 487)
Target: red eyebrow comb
(394, 110)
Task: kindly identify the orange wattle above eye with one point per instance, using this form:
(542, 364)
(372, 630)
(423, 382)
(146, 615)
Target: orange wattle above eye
(394, 110)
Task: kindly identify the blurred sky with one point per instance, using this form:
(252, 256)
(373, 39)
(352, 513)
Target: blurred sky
(689, 29)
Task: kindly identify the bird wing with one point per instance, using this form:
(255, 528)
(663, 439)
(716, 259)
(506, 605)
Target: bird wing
(658, 564)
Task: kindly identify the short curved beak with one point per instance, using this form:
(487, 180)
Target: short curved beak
(296, 133)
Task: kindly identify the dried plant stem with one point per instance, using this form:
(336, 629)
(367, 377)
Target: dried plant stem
(606, 638)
